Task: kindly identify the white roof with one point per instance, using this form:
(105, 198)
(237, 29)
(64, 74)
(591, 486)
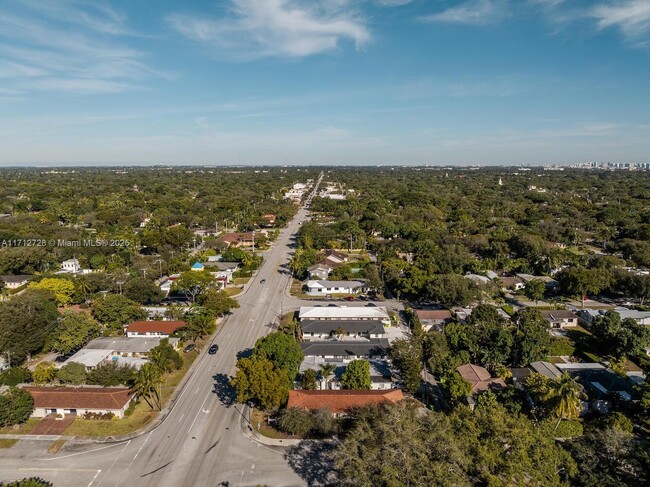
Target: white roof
(580, 366)
(331, 284)
(127, 344)
(89, 358)
(632, 313)
(343, 312)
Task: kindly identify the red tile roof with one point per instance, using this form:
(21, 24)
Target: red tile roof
(79, 397)
(340, 401)
(479, 377)
(167, 327)
(433, 314)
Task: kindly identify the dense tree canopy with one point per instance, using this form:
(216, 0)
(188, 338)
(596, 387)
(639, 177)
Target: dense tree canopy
(26, 323)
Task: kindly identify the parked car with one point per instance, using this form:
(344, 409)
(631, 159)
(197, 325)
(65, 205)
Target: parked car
(213, 349)
(189, 348)
(262, 281)
(350, 298)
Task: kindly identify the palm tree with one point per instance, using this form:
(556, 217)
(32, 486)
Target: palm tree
(564, 397)
(146, 385)
(326, 371)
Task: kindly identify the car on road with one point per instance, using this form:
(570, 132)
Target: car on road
(189, 348)
(213, 349)
(350, 298)
(262, 281)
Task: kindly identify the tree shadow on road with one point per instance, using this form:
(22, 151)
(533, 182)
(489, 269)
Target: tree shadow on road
(246, 353)
(226, 393)
(313, 462)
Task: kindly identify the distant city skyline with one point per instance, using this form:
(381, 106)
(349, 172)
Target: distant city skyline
(350, 82)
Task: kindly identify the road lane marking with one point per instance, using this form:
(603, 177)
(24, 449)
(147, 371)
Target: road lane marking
(95, 477)
(181, 418)
(138, 452)
(80, 453)
(197, 414)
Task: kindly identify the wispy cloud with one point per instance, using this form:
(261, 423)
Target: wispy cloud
(632, 17)
(473, 12)
(275, 28)
(69, 46)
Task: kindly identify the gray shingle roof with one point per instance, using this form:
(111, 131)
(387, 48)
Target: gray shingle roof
(372, 347)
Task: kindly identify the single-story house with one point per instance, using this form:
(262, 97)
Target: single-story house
(547, 369)
(513, 283)
(334, 287)
(319, 271)
(477, 278)
(238, 239)
(480, 379)
(222, 266)
(197, 266)
(340, 402)
(600, 384)
(133, 347)
(336, 256)
(269, 219)
(380, 373)
(79, 400)
(560, 318)
(325, 329)
(344, 313)
(166, 283)
(433, 319)
(153, 328)
(345, 351)
(641, 317)
(551, 284)
(14, 282)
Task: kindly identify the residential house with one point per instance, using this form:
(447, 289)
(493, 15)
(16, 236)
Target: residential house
(239, 239)
(324, 287)
(560, 318)
(433, 319)
(121, 350)
(551, 284)
(319, 271)
(600, 384)
(153, 328)
(198, 267)
(641, 317)
(547, 369)
(269, 219)
(79, 400)
(71, 266)
(512, 283)
(344, 313)
(336, 256)
(380, 373)
(166, 283)
(14, 282)
(477, 278)
(341, 402)
(480, 379)
(345, 351)
(354, 329)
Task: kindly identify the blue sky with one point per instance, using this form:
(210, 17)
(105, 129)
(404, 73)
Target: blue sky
(324, 82)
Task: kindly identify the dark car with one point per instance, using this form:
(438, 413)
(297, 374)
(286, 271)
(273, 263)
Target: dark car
(262, 281)
(189, 348)
(213, 349)
(350, 298)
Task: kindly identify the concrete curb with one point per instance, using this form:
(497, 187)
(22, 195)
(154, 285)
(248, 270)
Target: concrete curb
(248, 431)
